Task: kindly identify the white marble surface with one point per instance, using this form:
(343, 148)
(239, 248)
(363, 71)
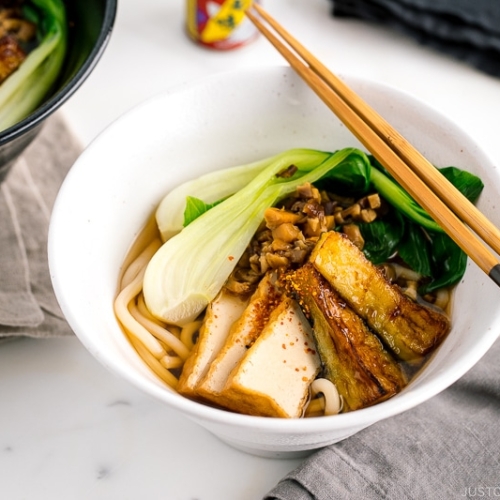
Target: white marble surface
(71, 430)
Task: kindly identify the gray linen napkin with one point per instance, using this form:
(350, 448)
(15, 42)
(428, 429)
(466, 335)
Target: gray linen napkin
(446, 448)
(27, 303)
(468, 30)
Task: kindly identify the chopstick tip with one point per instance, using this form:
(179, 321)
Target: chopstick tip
(494, 274)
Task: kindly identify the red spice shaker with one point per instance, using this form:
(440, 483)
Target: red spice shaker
(220, 24)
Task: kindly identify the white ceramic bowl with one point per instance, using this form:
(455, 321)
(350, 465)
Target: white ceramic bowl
(222, 121)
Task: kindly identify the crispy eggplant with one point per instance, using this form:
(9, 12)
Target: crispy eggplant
(410, 330)
(352, 356)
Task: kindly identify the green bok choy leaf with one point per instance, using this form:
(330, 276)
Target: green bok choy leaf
(24, 90)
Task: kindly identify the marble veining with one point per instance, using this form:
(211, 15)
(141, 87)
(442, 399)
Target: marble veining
(70, 430)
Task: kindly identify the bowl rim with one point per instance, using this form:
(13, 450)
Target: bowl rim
(363, 417)
(71, 86)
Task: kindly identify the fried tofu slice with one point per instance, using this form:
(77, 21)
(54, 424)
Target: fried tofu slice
(242, 336)
(408, 329)
(353, 357)
(273, 378)
(221, 313)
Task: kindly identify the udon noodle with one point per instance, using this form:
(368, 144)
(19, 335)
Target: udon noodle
(163, 349)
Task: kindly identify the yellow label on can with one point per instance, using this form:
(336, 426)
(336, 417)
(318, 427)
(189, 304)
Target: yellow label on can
(228, 17)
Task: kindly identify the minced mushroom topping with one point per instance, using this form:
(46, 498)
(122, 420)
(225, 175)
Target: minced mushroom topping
(290, 231)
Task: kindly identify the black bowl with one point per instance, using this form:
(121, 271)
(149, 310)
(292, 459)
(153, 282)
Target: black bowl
(90, 24)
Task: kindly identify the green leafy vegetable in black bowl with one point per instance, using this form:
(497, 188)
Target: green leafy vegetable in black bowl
(70, 36)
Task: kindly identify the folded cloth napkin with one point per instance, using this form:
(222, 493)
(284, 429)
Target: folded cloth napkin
(466, 29)
(448, 447)
(27, 302)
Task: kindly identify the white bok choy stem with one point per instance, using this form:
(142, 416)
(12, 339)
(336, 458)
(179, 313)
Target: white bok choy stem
(210, 188)
(189, 270)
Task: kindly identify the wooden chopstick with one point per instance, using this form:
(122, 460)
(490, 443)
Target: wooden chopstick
(444, 203)
(431, 176)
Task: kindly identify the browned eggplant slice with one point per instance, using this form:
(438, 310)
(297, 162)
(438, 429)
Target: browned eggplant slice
(410, 330)
(353, 357)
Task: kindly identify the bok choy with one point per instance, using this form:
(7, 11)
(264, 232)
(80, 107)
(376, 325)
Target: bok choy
(208, 223)
(407, 229)
(188, 271)
(24, 90)
(177, 207)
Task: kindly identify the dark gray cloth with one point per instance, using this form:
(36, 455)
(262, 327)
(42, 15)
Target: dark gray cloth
(468, 30)
(27, 302)
(446, 448)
